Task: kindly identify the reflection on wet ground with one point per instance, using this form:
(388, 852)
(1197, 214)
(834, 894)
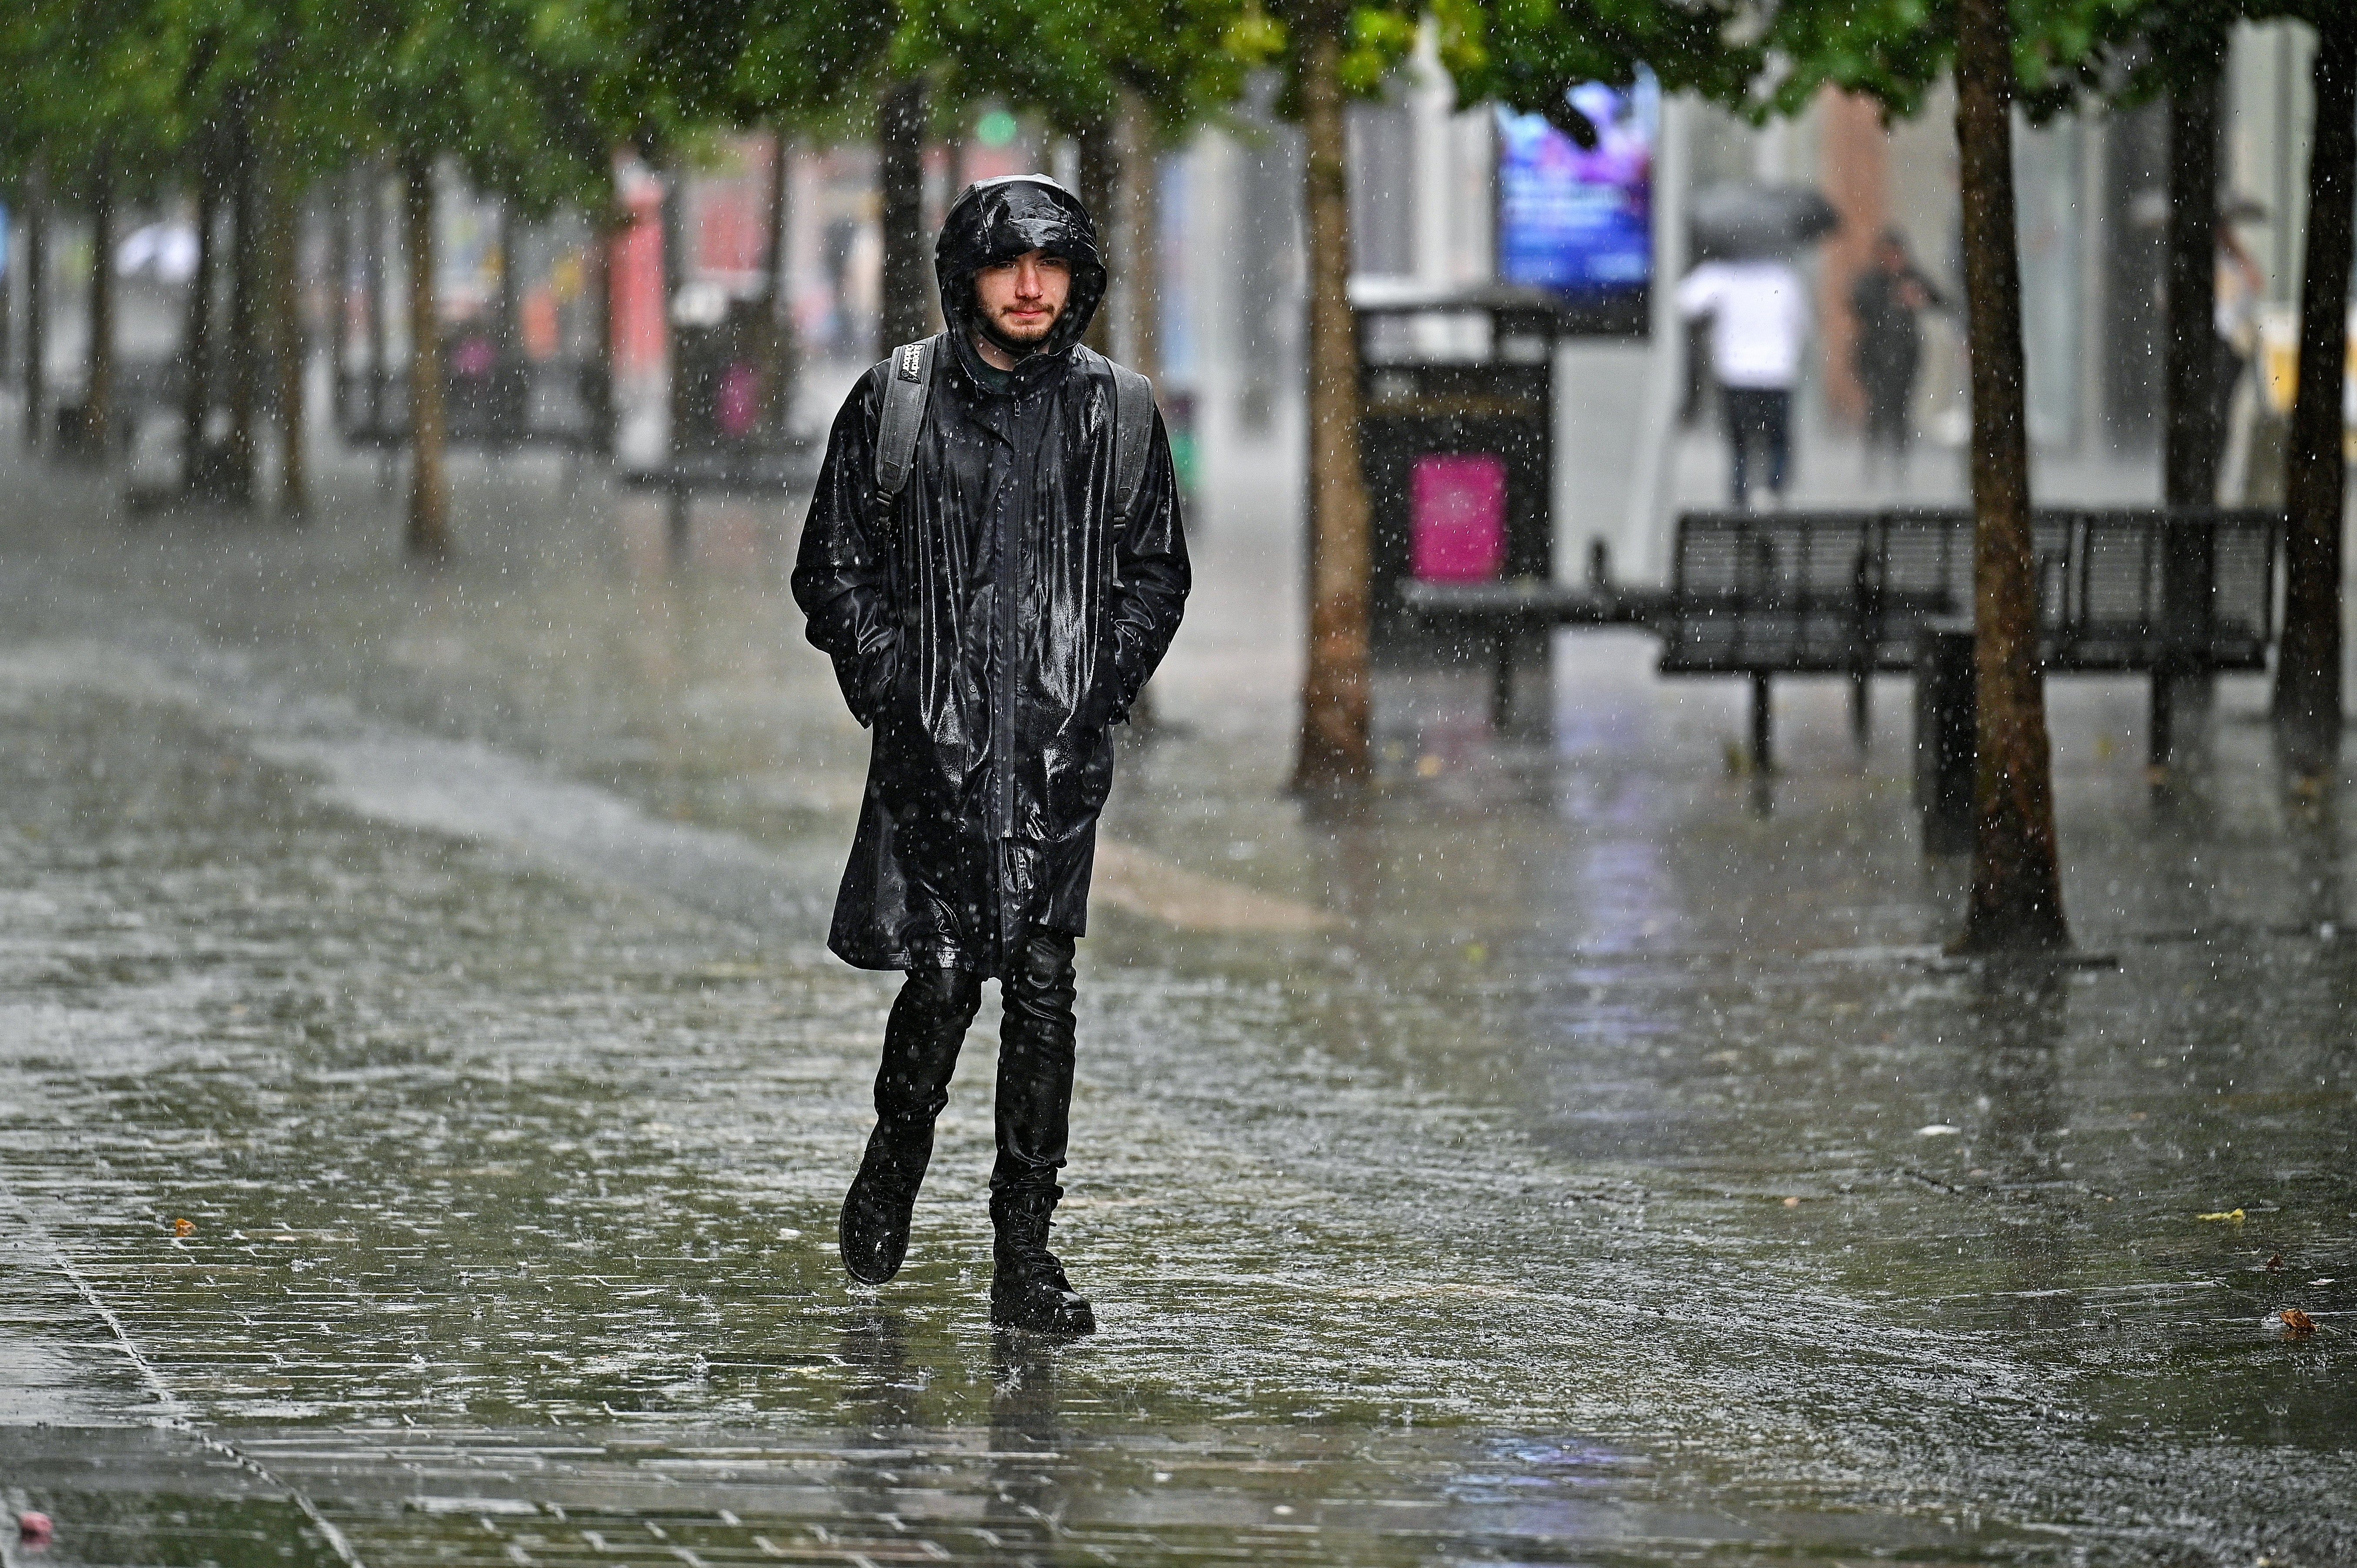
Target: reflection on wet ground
(1562, 1159)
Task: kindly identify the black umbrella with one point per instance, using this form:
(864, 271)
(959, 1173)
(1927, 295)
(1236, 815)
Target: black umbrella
(1734, 221)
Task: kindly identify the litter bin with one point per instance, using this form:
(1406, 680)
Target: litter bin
(486, 390)
(1457, 439)
(720, 392)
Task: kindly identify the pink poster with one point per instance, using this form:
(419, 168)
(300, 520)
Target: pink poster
(1456, 517)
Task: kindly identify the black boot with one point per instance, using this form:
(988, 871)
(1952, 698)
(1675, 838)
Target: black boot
(1028, 1287)
(873, 1231)
(921, 1050)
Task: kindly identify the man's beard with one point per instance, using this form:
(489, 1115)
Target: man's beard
(1016, 347)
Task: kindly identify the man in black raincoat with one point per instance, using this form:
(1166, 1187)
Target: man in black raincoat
(990, 621)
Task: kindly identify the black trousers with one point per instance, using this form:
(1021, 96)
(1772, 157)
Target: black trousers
(1035, 1059)
(1889, 409)
(1765, 413)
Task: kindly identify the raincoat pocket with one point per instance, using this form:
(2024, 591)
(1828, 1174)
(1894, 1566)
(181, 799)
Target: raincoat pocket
(885, 687)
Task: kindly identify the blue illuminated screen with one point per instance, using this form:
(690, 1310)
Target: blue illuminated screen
(1581, 223)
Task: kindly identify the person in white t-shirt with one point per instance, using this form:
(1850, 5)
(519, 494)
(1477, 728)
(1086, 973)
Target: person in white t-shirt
(1758, 312)
(2234, 314)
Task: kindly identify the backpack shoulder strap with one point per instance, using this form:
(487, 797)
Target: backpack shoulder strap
(905, 392)
(1132, 434)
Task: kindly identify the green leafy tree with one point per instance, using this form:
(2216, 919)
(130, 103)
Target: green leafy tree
(796, 69)
(1329, 52)
(1524, 53)
(2033, 53)
(2120, 52)
(1122, 78)
(83, 118)
(255, 96)
(521, 97)
(2148, 49)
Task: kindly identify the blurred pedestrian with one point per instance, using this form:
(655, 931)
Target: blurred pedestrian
(1758, 313)
(2235, 313)
(995, 562)
(1890, 292)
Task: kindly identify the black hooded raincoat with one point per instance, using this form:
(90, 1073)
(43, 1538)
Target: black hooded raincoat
(991, 622)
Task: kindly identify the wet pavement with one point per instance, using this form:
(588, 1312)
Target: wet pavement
(1580, 1155)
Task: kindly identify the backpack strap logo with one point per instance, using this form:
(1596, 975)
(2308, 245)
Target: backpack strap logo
(905, 392)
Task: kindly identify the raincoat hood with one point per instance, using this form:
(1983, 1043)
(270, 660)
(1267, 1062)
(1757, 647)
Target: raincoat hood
(995, 221)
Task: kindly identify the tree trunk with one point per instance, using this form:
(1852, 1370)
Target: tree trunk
(37, 290)
(2181, 691)
(1140, 229)
(599, 394)
(245, 314)
(342, 214)
(429, 494)
(2189, 457)
(508, 326)
(907, 312)
(1100, 178)
(2307, 665)
(1141, 232)
(290, 350)
(507, 420)
(1335, 698)
(197, 348)
(9, 302)
(98, 431)
(674, 278)
(2017, 897)
(782, 376)
(379, 243)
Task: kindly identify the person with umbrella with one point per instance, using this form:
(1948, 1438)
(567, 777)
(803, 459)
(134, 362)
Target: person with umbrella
(2235, 313)
(1758, 312)
(1758, 307)
(1885, 301)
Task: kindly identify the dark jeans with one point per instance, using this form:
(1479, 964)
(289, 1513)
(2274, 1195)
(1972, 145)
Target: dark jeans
(1765, 413)
(1889, 423)
(2230, 366)
(1035, 1059)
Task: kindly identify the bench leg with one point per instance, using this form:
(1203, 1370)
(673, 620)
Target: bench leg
(1764, 723)
(1861, 709)
(2162, 721)
(1502, 682)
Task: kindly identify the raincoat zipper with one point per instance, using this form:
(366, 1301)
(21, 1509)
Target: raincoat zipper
(1002, 663)
(1003, 696)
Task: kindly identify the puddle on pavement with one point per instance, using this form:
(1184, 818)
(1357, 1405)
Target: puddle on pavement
(1023, 1489)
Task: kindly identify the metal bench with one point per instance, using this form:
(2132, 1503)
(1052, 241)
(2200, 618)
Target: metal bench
(2167, 592)
(1495, 621)
(528, 404)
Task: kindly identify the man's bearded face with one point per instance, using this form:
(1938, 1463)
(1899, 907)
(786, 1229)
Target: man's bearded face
(1019, 301)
